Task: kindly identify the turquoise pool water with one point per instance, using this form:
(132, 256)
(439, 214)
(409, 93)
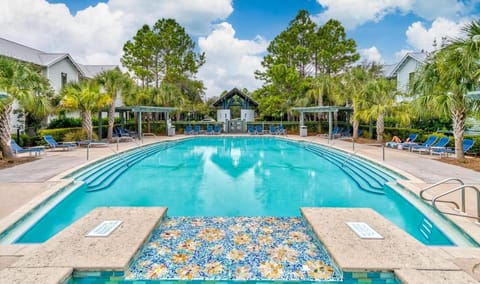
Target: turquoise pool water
(234, 177)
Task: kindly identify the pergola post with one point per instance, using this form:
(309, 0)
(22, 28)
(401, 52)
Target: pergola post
(301, 119)
(167, 117)
(99, 130)
(330, 124)
(140, 136)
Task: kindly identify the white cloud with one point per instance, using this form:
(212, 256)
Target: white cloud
(441, 8)
(422, 38)
(371, 55)
(96, 34)
(195, 16)
(353, 13)
(230, 61)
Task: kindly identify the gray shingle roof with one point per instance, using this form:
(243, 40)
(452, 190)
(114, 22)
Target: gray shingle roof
(31, 55)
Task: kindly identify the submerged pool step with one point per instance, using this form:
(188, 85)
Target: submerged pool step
(109, 172)
(367, 179)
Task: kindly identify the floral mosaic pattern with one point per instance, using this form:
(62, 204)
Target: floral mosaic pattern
(240, 248)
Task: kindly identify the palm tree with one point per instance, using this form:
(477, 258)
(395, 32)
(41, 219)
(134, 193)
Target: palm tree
(114, 83)
(447, 76)
(22, 83)
(85, 97)
(353, 82)
(378, 99)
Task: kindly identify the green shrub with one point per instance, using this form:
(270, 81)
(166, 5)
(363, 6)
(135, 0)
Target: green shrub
(78, 135)
(65, 122)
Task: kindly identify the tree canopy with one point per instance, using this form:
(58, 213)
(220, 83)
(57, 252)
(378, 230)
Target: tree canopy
(164, 52)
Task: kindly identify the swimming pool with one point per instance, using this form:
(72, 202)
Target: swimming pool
(235, 176)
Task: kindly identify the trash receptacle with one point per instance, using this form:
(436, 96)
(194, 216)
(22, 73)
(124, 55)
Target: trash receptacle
(171, 131)
(303, 131)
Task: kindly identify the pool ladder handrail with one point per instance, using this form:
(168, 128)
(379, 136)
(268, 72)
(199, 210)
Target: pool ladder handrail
(460, 188)
(349, 157)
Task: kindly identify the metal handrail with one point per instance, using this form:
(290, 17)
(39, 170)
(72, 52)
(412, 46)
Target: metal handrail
(462, 188)
(443, 182)
(348, 158)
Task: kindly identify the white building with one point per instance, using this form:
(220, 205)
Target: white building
(404, 71)
(58, 68)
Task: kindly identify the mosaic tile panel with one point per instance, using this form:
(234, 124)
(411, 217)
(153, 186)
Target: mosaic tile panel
(241, 248)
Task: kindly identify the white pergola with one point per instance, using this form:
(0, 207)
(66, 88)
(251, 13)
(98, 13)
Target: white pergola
(142, 109)
(321, 109)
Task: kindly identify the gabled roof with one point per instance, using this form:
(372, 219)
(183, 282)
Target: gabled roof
(232, 93)
(420, 57)
(387, 70)
(31, 55)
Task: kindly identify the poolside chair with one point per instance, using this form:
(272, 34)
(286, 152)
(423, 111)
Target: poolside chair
(54, 144)
(259, 130)
(19, 150)
(442, 143)
(467, 145)
(196, 129)
(209, 130)
(281, 130)
(122, 132)
(407, 144)
(217, 129)
(251, 130)
(273, 131)
(429, 142)
(188, 130)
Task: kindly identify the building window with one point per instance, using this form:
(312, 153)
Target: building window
(411, 77)
(64, 79)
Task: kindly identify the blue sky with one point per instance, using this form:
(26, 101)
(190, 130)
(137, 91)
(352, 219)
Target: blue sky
(234, 34)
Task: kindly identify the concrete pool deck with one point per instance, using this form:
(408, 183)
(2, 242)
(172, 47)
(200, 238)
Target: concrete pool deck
(25, 185)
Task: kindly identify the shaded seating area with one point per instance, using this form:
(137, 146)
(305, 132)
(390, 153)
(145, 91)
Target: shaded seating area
(123, 132)
(58, 145)
(19, 150)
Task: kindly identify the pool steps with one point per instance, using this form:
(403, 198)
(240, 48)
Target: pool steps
(368, 179)
(102, 176)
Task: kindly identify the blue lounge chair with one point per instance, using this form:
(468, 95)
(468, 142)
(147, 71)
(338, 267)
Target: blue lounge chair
(259, 130)
(442, 143)
(196, 130)
(217, 129)
(209, 130)
(428, 143)
(467, 145)
(188, 130)
(121, 132)
(19, 150)
(281, 130)
(54, 144)
(273, 131)
(251, 130)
